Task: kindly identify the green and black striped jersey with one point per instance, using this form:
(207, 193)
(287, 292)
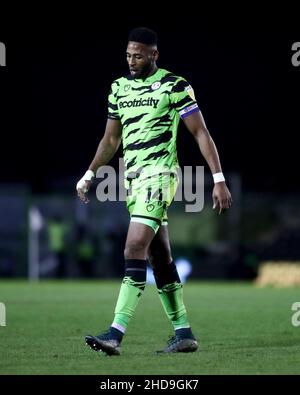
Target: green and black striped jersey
(149, 111)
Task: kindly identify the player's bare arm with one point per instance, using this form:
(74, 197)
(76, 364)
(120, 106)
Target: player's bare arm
(196, 125)
(107, 148)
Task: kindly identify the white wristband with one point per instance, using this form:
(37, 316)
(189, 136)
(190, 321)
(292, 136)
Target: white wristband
(89, 174)
(218, 177)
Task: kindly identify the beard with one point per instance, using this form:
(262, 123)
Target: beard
(142, 72)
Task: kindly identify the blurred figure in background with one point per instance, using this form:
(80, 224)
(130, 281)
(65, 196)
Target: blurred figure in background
(116, 238)
(85, 252)
(58, 231)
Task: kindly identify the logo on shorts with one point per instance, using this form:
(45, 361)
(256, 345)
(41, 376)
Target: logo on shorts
(155, 85)
(127, 87)
(150, 207)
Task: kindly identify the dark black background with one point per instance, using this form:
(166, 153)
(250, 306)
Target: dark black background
(59, 69)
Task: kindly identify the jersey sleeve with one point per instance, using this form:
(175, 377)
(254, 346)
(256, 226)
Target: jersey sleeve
(113, 110)
(183, 99)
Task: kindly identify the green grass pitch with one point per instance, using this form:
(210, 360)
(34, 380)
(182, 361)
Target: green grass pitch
(241, 330)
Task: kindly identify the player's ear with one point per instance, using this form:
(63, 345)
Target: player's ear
(155, 55)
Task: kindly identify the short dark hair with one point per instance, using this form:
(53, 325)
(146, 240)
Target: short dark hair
(143, 35)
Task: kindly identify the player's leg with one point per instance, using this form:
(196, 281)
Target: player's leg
(170, 292)
(138, 240)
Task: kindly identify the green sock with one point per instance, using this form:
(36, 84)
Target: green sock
(129, 295)
(171, 296)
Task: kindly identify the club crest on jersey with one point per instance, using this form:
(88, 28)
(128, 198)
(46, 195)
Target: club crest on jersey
(150, 207)
(155, 85)
(190, 91)
(127, 87)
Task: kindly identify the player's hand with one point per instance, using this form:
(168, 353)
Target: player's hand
(221, 197)
(83, 186)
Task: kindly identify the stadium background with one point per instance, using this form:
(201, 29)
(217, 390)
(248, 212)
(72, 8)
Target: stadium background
(53, 113)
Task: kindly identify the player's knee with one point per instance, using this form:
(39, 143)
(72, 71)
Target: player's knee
(134, 248)
(159, 256)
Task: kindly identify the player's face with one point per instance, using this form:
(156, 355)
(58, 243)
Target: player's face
(140, 58)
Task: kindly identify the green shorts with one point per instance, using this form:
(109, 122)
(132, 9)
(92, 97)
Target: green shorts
(149, 199)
